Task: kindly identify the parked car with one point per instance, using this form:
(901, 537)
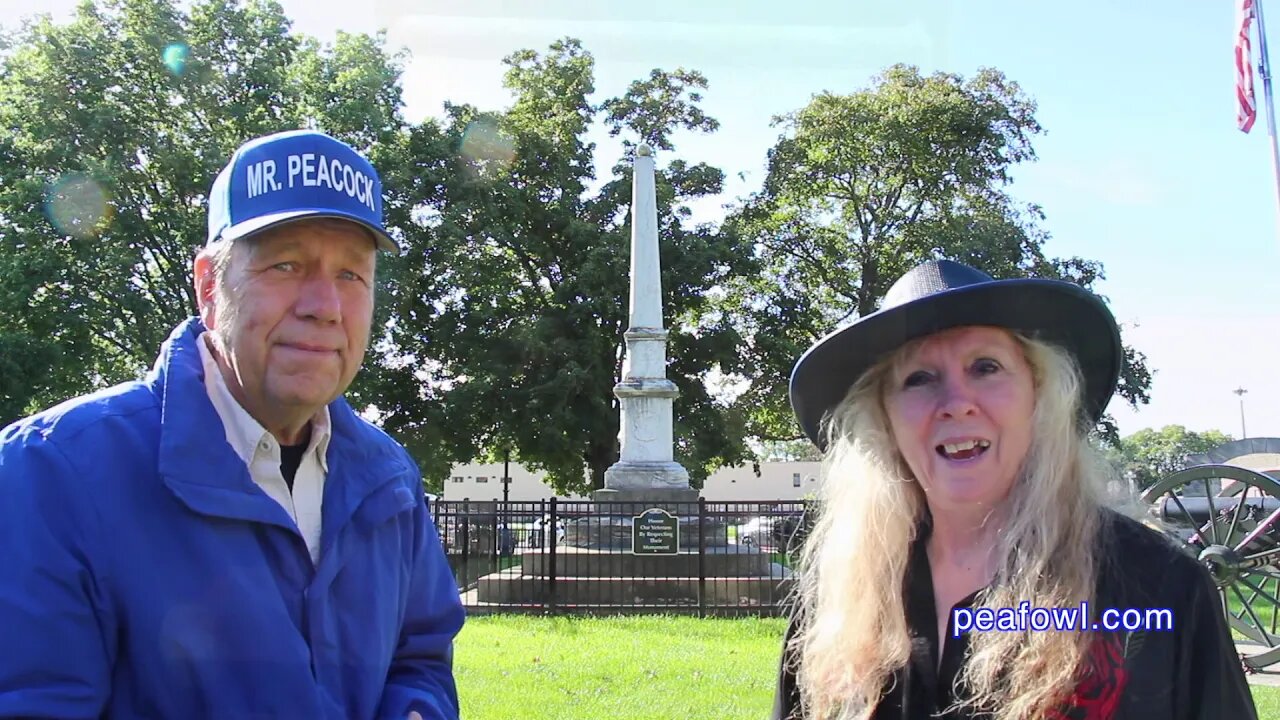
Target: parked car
(768, 532)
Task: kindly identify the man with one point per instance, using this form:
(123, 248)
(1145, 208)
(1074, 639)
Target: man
(227, 538)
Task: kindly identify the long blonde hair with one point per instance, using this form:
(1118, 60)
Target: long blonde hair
(852, 634)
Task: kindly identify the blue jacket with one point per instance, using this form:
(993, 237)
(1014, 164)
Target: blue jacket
(144, 574)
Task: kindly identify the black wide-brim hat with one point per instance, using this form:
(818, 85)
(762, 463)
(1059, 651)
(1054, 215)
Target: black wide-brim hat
(939, 295)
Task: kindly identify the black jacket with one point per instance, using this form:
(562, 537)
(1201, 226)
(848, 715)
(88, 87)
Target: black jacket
(1190, 673)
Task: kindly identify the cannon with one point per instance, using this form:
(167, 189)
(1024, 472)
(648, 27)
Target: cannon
(1228, 518)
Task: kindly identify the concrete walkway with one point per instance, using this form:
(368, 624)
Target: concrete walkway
(1267, 676)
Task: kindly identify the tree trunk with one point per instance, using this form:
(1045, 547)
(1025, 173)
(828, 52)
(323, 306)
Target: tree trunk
(601, 456)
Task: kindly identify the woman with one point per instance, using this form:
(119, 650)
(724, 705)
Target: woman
(958, 478)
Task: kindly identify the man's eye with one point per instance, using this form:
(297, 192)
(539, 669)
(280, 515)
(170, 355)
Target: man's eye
(917, 378)
(283, 267)
(348, 275)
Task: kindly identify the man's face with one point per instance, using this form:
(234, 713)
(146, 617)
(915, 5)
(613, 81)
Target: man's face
(293, 315)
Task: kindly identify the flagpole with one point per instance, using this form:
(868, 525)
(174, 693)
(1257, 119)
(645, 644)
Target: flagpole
(1264, 70)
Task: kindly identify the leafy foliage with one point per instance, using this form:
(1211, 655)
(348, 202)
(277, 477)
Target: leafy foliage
(501, 326)
(1148, 455)
(864, 186)
(511, 304)
(112, 128)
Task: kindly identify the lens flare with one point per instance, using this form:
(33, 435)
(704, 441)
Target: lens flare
(77, 205)
(486, 146)
(175, 58)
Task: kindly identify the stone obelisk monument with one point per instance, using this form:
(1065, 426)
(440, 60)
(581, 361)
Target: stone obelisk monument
(646, 470)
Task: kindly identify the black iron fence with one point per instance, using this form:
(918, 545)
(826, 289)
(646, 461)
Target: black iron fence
(553, 556)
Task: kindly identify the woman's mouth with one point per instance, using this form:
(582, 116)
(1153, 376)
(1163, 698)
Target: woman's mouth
(964, 450)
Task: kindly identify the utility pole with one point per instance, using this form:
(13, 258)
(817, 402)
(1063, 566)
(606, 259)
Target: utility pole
(506, 476)
(1240, 392)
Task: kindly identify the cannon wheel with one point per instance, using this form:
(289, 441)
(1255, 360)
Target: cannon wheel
(1236, 536)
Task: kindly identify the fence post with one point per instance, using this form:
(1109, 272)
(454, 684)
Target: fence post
(549, 543)
(463, 523)
(702, 556)
(495, 553)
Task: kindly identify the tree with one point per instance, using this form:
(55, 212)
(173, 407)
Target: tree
(1149, 455)
(502, 324)
(862, 187)
(789, 451)
(511, 302)
(112, 128)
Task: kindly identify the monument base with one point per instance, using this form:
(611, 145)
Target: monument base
(646, 475)
(613, 532)
(610, 526)
(678, 495)
(677, 501)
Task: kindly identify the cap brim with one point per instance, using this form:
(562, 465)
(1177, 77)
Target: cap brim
(266, 222)
(1058, 312)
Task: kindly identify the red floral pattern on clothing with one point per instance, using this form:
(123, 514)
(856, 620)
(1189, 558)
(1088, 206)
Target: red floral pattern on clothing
(1098, 695)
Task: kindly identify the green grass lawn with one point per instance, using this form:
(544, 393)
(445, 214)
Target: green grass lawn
(656, 667)
(1264, 611)
(1268, 701)
(650, 667)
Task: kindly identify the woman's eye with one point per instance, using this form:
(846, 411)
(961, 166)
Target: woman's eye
(916, 379)
(986, 366)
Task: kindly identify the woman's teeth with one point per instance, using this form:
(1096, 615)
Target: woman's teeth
(963, 450)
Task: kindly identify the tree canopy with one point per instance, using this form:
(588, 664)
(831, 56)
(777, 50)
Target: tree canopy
(112, 128)
(501, 326)
(1149, 454)
(511, 304)
(863, 186)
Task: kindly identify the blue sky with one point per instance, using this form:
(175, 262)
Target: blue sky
(1141, 166)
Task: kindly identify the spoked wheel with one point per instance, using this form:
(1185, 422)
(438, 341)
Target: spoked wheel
(1228, 518)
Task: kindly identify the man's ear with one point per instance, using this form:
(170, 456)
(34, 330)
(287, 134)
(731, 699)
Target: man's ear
(205, 286)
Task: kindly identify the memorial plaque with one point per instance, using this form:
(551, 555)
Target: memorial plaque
(655, 532)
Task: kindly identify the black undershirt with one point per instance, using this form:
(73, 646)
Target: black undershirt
(290, 459)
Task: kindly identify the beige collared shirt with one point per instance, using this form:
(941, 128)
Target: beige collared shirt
(261, 453)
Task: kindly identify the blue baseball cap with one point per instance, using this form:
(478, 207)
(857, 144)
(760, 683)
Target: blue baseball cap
(293, 175)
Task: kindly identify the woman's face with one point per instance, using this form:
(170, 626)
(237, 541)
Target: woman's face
(960, 409)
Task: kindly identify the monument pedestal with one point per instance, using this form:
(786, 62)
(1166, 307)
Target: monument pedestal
(622, 501)
(734, 580)
(613, 531)
(617, 508)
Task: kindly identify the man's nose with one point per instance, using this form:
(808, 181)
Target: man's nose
(318, 298)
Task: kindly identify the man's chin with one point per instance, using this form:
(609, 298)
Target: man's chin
(303, 396)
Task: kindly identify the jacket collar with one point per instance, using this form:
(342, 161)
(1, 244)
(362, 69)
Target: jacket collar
(244, 432)
(202, 469)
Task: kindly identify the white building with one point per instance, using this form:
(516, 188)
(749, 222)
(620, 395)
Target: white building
(475, 481)
(777, 481)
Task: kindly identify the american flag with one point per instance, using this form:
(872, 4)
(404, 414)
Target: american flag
(1247, 111)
